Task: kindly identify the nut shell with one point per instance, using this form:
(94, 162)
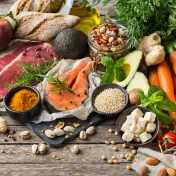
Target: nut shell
(25, 134)
(83, 135)
(42, 148)
(69, 129)
(35, 149)
(50, 134)
(58, 132)
(75, 149)
(90, 130)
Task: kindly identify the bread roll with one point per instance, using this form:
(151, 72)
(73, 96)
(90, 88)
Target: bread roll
(36, 26)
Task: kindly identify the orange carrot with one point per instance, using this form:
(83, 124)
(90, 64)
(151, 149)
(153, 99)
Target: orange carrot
(165, 79)
(166, 83)
(173, 60)
(174, 80)
(153, 78)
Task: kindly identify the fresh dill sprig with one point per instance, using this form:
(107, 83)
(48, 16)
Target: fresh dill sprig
(31, 72)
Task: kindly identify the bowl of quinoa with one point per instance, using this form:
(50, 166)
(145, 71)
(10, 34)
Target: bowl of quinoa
(109, 99)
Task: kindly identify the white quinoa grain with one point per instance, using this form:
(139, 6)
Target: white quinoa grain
(110, 100)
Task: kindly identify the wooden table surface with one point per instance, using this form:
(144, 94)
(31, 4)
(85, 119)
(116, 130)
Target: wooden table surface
(18, 160)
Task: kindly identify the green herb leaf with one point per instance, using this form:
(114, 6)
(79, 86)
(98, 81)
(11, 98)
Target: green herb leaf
(167, 105)
(163, 117)
(145, 101)
(120, 74)
(154, 89)
(108, 76)
(107, 61)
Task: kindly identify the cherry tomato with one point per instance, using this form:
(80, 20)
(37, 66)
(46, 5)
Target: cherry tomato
(169, 140)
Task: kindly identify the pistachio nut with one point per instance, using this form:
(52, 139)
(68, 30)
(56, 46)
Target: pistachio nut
(82, 135)
(75, 149)
(58, 132)
(3, 125)
(69, 129)
(35, 149)
(42, 148)
(60, 125)
(90, 130)
(49, 133)
(25, 134)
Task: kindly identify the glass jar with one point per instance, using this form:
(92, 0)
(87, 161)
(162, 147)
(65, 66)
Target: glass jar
(110, 16)
(96, 51)
(89, 15)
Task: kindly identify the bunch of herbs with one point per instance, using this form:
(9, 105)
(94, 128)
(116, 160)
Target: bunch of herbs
(158, 104)
(142, 18)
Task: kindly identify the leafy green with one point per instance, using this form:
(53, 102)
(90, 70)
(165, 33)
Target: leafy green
(156, 102)
(145, 17)
(113, 69)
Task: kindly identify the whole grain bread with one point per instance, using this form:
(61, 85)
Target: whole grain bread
(36, 26)
(30, 5)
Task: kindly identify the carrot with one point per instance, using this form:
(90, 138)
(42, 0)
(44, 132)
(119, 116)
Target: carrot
(165, 79)
(166, 83)
(173, 60)
(174, 80)
(153, 78)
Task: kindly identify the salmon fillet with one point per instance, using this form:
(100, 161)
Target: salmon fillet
(79, 82)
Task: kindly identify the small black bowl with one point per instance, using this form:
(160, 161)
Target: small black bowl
(101, 88)
(122, 118)
(22, 116)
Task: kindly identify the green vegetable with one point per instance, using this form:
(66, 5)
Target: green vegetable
(158, 104)
(30, 75)
(145, 17)
(113, 69)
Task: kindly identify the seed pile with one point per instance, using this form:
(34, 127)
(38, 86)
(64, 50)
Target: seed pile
(110, 100)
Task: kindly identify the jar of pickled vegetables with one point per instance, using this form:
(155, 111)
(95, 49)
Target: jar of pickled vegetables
(106, 40)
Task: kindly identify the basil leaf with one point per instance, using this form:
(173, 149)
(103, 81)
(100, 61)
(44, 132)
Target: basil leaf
(164, 118)
(167, 105)
(107, 61)
(120, 61)
(145, 101)
(155, 90)
(120, 74)
(108, 77)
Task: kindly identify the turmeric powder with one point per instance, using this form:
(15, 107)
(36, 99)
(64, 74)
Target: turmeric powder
(23, 100)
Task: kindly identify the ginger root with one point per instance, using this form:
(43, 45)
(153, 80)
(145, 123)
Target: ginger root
(3, 125)
(151, 47)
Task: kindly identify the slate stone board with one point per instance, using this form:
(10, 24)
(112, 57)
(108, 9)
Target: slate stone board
(93, 119)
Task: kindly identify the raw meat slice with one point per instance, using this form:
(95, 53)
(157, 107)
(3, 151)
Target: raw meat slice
(32, 55)
(8, 56)
(68, 100)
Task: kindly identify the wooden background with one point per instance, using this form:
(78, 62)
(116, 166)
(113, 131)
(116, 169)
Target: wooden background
(18, 160)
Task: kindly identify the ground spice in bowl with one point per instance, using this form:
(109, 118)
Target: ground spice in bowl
(110, 100)
(23, 100)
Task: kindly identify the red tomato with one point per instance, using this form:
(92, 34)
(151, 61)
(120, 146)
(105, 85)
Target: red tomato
(169, 139)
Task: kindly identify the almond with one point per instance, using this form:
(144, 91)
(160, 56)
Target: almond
(170, 171)
(143, 170)
(152, 161)
(162, 172)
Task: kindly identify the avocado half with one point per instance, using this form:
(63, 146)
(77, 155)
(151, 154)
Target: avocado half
(71, 44)
(130, 66)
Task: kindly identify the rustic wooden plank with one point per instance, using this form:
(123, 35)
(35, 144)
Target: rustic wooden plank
(99, 137)
(89, 154)
(5, 5)
(65, 169)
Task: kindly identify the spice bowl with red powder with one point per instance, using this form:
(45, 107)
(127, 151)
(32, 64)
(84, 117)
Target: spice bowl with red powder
(23, 103)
